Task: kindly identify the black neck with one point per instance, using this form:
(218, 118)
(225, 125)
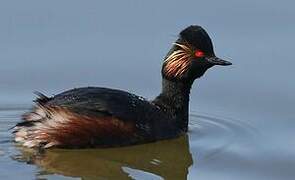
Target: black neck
(174, 100)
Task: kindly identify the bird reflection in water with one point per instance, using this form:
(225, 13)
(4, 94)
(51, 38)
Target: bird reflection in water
(168, 159)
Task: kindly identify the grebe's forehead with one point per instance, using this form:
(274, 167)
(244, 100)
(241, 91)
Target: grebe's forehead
(197, 37)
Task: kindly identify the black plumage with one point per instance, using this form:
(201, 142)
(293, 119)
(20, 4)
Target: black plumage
(152, 123)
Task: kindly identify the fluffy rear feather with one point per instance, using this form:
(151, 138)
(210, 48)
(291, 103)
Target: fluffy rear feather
(57, 126)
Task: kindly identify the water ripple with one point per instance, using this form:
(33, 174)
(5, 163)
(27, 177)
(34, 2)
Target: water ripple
(211, 135)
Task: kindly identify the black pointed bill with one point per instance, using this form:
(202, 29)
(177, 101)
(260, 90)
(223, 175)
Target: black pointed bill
(218, 61)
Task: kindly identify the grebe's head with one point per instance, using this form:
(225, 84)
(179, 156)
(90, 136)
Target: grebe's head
(191, 55)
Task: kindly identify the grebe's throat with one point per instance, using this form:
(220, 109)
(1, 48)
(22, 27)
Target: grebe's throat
(174, 100)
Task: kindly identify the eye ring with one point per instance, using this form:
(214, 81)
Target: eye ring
(199, 53)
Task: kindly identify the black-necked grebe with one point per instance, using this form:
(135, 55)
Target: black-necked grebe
(102, 117)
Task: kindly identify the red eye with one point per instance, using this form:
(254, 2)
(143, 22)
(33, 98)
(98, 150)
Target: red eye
(199, 53)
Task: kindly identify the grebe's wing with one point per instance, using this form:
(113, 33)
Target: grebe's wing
(95, 101)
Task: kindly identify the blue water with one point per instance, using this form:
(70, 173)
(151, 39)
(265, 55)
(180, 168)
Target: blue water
(241, 117)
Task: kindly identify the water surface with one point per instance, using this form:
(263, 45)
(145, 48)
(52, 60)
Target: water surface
(215, 146)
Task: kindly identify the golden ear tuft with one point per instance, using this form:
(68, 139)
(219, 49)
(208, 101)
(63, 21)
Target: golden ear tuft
(178, 61)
